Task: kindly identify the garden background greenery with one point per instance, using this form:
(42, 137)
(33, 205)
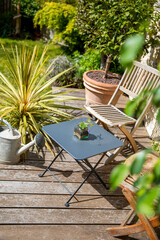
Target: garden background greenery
(81, 32)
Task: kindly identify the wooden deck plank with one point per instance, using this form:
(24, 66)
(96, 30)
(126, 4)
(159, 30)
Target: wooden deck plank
(48, 157)
(61, 216)
(55, 232)
(68, 176)
(59, 166)
(39, 165)
(58, 201)
(53, 188)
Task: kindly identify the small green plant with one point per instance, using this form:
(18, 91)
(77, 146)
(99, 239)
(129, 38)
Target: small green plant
(84, 125)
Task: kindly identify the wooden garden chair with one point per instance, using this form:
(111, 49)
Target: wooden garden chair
(128, 190)
(132, 83)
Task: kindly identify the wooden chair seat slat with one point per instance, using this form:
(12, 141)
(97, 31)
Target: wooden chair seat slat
(110, 115)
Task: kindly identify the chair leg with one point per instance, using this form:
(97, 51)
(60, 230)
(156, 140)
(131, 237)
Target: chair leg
(132, 229)
(118, 150)
(115, 153)
(105, 126)
(145, 222)
(144, 225)
(130, 215)
(126, 133)
(129, 137)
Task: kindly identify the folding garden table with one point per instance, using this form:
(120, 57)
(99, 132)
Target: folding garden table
(99, 141)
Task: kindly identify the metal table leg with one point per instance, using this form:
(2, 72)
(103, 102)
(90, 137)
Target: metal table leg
(47, 168)
(92, 171)
(67, 203)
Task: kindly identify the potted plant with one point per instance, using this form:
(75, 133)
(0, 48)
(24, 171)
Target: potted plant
(81, 130)
(105, 25)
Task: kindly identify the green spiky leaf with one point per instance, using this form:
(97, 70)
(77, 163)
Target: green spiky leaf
(27, 100)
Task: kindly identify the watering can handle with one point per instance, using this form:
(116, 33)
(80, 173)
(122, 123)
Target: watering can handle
(7, 123)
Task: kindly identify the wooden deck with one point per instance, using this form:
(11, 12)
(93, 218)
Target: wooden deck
(33, 208)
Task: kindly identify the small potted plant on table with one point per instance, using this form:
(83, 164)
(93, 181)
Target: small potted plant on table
(82, 130)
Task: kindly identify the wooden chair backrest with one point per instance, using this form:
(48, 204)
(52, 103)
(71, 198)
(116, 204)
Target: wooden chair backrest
(138, 78)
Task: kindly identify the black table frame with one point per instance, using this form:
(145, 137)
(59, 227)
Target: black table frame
(84, 163)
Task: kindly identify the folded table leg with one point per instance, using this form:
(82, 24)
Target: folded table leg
(47, 168)
(92, 171)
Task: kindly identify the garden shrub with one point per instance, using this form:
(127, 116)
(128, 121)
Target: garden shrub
(88, 61)
(61, 18)
(27, 100)
(58, 65)
(71, 2)
(80, 63)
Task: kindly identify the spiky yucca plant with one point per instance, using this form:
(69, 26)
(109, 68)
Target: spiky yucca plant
(26, 100)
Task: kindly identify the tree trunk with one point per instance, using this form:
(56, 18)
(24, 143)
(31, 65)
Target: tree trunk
(103, 61)
(108, 63)
(18, 20)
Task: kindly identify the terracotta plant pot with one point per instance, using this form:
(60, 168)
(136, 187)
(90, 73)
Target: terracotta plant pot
(98, 92)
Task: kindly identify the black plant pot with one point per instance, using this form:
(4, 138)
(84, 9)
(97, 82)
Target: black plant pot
(81, 133)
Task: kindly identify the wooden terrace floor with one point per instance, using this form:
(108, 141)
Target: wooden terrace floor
(32, 208)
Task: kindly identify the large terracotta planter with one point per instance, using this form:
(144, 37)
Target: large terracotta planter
(98, 92)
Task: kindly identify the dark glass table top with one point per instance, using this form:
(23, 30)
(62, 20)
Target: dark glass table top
(99, 139)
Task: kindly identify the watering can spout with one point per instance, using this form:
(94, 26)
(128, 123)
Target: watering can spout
(38, 140)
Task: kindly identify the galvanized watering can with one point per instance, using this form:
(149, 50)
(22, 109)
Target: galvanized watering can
(10, 144)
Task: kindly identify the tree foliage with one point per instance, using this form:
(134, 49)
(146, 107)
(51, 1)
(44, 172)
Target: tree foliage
(71, 2)
(105, 24)
(28, 8)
